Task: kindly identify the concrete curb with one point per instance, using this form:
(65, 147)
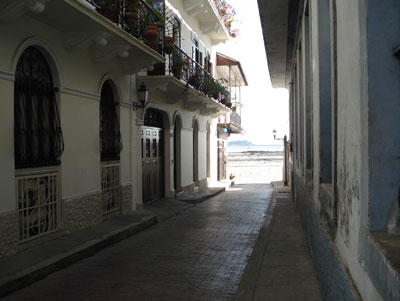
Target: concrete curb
(251, 273)
(44, 268)
(203, 198)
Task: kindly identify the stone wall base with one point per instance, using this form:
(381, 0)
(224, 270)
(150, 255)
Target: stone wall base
(188, 188)
(203, 183)
(81, 212)
(8, 233)
(191, 187)
(77, 213)
(336, 283)
(126, 199)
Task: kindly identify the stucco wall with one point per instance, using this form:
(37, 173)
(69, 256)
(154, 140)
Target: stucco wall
(202, 151)
(78, 104)
(80, 162)
(7, 174)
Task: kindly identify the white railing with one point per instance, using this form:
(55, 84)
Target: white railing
(37, 204)
(110, 187)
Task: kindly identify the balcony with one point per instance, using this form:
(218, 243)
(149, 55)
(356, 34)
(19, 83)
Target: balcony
(205, 12)
(108, 31)
(182, 78)
(231, 122)
(135, 17)
(231, 73)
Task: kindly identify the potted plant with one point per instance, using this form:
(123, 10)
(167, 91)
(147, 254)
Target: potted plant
(109, 8)
(196, 79)
(225, 99)
(132, 13)
(168, 44)
(215, 89)
(179, 64)
(154, 20)
(207, 85)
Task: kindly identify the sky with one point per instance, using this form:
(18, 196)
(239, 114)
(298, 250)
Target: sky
(264, 108)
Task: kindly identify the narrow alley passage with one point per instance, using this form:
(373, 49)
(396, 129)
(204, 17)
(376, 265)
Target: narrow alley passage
(199, 254)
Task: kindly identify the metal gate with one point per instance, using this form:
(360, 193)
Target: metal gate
(152, 163)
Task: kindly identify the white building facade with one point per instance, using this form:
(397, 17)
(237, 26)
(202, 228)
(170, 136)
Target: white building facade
(78, 147)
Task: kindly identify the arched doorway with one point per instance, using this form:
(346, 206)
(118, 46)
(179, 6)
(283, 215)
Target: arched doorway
(38, 143)
(195, 152)
(152, 156)
(177, 154)
(110, 148)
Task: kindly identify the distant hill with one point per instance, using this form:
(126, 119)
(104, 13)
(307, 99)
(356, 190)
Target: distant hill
(239, 143)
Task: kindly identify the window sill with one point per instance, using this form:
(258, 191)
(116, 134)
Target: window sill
(389, 244)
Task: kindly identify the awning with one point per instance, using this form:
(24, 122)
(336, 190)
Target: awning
(235, 76)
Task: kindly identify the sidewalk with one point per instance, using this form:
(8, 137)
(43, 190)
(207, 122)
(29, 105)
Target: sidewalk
(280, 267)
(22, 269)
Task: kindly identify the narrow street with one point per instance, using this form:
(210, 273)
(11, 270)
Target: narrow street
(199, 254)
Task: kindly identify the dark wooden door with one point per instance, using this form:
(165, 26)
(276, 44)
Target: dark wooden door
(152, 163)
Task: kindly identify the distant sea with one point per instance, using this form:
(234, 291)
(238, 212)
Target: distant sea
(254, 148)
(255, 163)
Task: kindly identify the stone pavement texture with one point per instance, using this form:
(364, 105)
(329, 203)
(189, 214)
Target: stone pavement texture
(280, 267)
(29, 266)
(199, 254)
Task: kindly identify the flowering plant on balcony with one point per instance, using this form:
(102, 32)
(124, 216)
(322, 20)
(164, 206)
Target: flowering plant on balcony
(180, 63)
(196, 78)
(227, 14)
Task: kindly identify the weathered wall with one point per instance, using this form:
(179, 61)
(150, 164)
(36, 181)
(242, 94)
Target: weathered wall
(335, 282)
(382, 72)
(352, 126)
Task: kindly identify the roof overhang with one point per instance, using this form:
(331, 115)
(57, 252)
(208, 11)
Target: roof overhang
(235, 75)
(279, 24)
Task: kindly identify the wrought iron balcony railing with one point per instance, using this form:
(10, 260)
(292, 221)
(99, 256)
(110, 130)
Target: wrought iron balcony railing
(185, 68)
(137, 17)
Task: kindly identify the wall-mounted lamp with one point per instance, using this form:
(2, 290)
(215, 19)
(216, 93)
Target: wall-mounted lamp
(274, 133)
(143, 94)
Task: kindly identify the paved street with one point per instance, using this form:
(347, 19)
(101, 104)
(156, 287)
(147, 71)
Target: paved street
(199, 254)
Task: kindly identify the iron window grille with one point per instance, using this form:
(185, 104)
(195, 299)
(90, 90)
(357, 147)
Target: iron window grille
(110, 186)
(110, 135)
(38, 139)
(38, 205)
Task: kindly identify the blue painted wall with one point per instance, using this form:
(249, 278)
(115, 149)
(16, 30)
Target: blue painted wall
(383, 33)
(335, 283)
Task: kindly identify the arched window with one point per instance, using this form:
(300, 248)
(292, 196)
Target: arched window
(197, 54)
(38, 139)
(176, 25)
(153, 118)
(110, 135)
(38, 142)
